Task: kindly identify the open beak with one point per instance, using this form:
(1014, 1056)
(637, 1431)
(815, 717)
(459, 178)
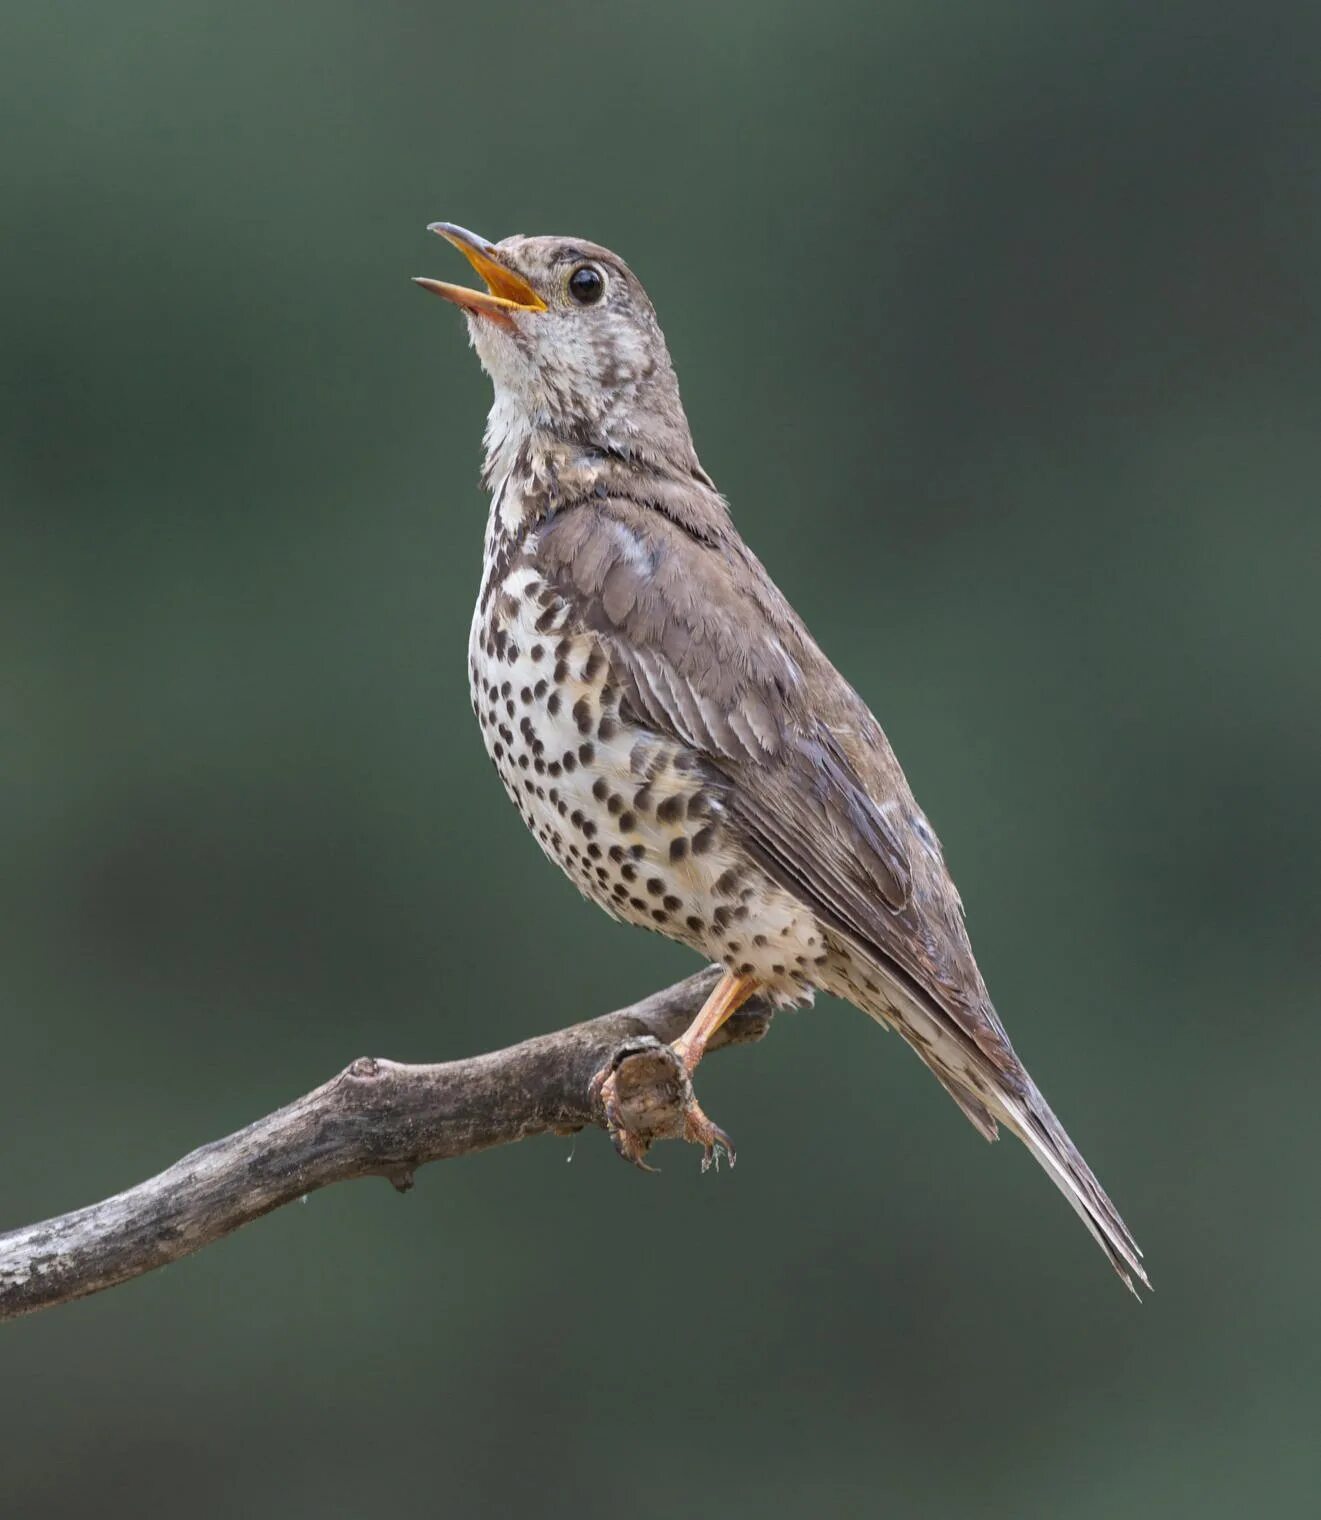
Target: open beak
(505, 293)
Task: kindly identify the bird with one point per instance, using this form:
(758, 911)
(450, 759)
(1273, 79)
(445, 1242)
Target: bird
(670, 731)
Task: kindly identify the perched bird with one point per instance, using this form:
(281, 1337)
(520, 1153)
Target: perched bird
(669, 729)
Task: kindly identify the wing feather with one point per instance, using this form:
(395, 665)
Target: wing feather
(705, 648)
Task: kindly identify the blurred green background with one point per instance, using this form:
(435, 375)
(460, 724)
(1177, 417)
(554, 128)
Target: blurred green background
(998, 325)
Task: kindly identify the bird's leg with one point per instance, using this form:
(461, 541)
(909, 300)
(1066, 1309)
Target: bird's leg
(729, 994)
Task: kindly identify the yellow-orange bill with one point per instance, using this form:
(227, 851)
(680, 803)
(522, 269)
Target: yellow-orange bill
(505, 291)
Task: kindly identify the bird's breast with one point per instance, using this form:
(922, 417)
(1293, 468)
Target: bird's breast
(634, 817)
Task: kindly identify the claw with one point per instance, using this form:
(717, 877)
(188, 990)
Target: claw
(699, 1130)
(629, 1146)
(682, 1119)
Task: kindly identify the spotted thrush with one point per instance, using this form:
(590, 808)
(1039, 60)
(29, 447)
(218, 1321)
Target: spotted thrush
(669, 729)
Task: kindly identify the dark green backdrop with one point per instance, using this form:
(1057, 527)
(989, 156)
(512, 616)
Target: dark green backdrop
(997, 323)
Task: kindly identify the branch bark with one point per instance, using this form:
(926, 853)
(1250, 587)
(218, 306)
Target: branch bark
(376, 1118)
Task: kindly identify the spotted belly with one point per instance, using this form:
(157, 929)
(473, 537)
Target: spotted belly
(631, 816)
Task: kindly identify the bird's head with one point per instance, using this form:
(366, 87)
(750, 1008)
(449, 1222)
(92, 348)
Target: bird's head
(570, 341)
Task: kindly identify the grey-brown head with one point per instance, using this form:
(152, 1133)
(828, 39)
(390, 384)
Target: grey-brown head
(571, 343)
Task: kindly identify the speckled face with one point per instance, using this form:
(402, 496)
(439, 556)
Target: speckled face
(570, 341)
(597, 335)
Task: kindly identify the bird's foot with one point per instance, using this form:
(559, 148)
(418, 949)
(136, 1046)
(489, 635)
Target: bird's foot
(627, 1142)
(699, 1130)
(646, 1094)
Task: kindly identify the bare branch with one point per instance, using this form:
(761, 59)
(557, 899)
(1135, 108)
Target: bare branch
(376, 1118)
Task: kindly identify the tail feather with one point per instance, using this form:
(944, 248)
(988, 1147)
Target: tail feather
(985, 1096)
(1032, 1120)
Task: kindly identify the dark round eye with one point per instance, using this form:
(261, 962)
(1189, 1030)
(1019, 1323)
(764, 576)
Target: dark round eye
(587, 284)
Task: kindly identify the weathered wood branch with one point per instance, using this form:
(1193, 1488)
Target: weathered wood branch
(376, 1118)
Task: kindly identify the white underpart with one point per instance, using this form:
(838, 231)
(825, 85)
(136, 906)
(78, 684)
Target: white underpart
(792, 941)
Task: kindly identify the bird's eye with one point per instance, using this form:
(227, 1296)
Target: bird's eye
(587, 285)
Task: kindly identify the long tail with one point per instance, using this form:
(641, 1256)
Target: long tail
(986, 1098)
(1032, 1120)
